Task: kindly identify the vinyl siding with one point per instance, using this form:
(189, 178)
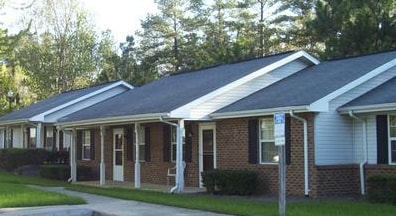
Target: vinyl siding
(371, 139)
(333, 132)
(17, 140)
(246, 89)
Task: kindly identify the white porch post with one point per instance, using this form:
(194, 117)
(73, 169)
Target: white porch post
(57, 137)
(179, 157)
(137, 159)
(73, 163)
(102, 160)
(38, 135)
(22, 136)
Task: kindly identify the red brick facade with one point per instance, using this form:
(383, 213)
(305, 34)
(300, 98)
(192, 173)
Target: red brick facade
(232, 153)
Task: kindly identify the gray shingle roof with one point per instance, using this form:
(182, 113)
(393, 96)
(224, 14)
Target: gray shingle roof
(47, 104)
(311, 84)
(383, 94)
(171, 92)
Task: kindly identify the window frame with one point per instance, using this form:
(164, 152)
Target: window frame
(142, 145)
(49, 138)
(85, 144)
(391, 139)
(173, 144)
(261, 141)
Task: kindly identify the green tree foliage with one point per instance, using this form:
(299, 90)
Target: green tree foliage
(348, 28)
(62, 52)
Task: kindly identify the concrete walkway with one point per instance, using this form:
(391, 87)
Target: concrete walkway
(101, 206)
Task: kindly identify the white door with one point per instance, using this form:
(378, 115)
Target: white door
(118, 154)
(207, 148)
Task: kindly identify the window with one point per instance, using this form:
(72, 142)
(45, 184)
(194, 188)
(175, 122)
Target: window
(49, 138)
(174, 144)
(86, 145)
(392, 138)
(142, 143)
(32, 138)
(267, 148)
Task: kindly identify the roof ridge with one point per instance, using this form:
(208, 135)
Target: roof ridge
(361, 55)
(232, 63)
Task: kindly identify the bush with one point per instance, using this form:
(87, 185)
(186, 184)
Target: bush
(230, 182)
(55, 171)
(11, 159)
(62, 172)
(382, 188)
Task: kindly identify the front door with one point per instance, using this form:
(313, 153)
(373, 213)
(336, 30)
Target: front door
(207, 148)
(118, 154)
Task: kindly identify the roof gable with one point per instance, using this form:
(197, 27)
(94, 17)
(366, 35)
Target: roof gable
(381, 98)
(312, 88)
(57, 102)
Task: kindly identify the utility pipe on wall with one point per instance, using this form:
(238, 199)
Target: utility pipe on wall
(179, 181)
(361, 165)
(306, 170)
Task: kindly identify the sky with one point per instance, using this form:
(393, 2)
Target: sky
(122, 17)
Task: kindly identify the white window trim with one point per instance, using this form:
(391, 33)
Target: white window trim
(390, 139)
(142, 143)
(264, 140)
(174, 144)
(89, 144)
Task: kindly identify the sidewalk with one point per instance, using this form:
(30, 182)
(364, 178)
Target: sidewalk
(101, 206)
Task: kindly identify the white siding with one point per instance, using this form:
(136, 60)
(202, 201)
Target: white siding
(333, 132)
(67, 140)
(246, 89)
(17, 141)
(85, 103)
(371, 139)
(357, 141)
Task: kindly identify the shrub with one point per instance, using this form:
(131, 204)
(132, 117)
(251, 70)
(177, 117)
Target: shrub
(55, 171)
(230, 182)
(62, 172)
(10, 159)
(382, 188)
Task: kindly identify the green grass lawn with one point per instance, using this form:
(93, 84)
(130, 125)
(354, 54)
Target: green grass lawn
(241, 206)
(15, 193)
(230, 205)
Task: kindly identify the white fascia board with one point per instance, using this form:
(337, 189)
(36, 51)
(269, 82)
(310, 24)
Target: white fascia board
(258, 112)
(184, 111)
(322, 105)
(40, 117)
(14, 122)
(368, 108)
(113, 120)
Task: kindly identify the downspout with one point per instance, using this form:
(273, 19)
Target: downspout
(137, 159)
(179, 181)
(361, 165)
(306, 170)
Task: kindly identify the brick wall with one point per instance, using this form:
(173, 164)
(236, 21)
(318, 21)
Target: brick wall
(336, 180)
(232, 153)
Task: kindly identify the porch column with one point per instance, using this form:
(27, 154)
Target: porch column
(179, 157)
(57, 138)
(102, 160)
(73, 163)
(38, 135)
(137, 159)
(23, 132)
